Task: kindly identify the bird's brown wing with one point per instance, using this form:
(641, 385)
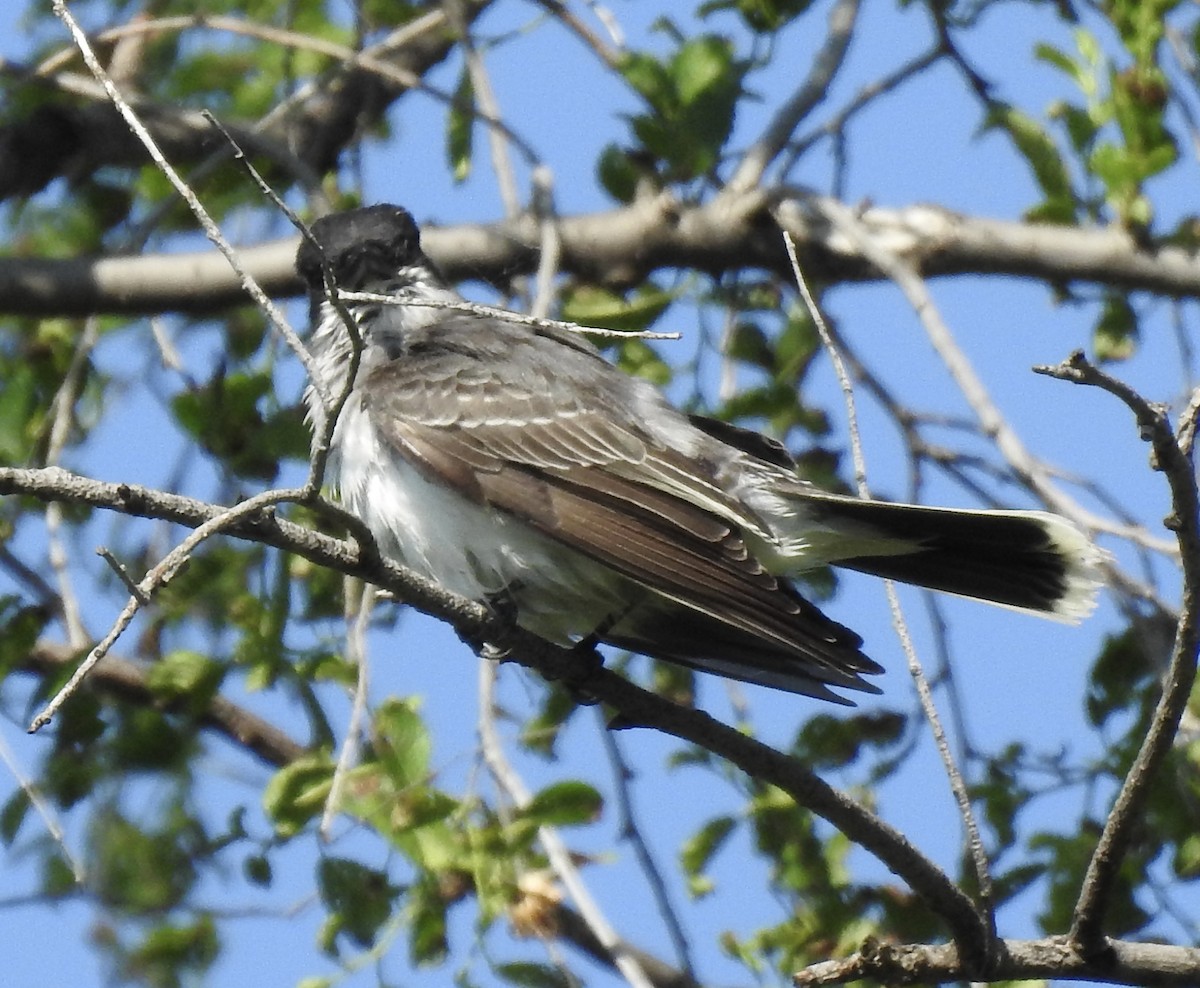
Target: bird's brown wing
(545, 434)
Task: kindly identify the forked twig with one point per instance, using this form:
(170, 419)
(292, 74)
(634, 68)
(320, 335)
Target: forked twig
(958, 785)
(1118, 833)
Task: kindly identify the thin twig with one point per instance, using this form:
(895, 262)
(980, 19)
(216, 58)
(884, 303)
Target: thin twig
(368, 60)
(1188, 423)
(157, 577)
(836, 124)
(489, 108)
(825, 66)
(211, 230)
(32, 578)
(958, 785)
(330, 407)
(550, 253)
(63, 417)
(562, 13)
(167, 350)
(839, 369)
(629, 830)
(477, 309)
(45, 810)
(1100, 880)
(557, 852)
(358, 619)
(122, 574)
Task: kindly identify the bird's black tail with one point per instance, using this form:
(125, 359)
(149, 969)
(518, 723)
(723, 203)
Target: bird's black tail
(1027, 560)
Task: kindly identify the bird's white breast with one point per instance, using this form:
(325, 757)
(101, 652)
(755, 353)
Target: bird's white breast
(468, 548)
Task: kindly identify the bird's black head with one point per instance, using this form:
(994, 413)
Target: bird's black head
(360, 246)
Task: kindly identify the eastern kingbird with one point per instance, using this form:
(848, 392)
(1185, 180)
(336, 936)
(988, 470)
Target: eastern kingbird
(502, 458)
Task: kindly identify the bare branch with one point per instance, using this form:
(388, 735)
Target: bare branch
(1101, 877)
(1017, 960)
(120, 677)
(359, 607)
(320, 120)
(761, 153)
(958, 787)
(620, 246)
(475, 623)
(211, 230)
(159, 576)
(557, 852)
(563, 14)
(623, 775)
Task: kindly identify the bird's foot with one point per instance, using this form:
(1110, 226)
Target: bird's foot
(502, 607)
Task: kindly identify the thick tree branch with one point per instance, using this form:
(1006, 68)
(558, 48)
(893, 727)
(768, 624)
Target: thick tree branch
(621, 246)
(1017, 960)
(125, 679)
(76, 139)
(475, 623)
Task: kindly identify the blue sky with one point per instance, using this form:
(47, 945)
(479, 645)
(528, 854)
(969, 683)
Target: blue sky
(1021, 678)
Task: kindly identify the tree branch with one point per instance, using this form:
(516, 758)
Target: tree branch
(619, 247)
(475, 623)
(1017, 960)
(1096, 891)
(67, 140)
(125, 679)
(758, 157)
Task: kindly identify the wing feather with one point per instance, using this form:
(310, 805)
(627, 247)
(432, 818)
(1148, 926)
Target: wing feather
(571, 461)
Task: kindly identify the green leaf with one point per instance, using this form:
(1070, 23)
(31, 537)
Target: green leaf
(530, 975)
(258, 871)
(427, 923)
(540, 733)
(617, 173)
(170, 949)
(693, 98)
(13, 815)
(1037, 148)
(1186, 860)
(224, 417)
(57, 879)
(835, 742)
(20, 626)
(701, 65)
(1116, 334)
(1122, 670)
(564, 804)
(764, 16)
(648, 76)
(137, 869)
(358, 898)
(460, 128)
(638, 358)
(589, 305)
(749, 344)
(699, 850)
(1082, 127)
(402, 742)
(297, 793)
(17, 401)
(1060, 60)
(185, 674)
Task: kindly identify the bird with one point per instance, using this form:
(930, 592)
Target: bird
(510, 462)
